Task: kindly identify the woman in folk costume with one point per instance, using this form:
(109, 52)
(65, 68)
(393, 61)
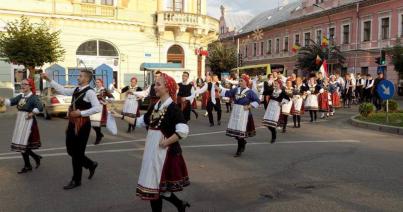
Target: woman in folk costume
(297, 100)
(131, 107)
(286, 107)
(273, 111)
(163, 169)
(241, 124)
(324, 99)
(99, 120)
(334, 89)
(311, 101)
(26, 133)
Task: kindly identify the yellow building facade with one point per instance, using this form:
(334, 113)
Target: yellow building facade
(123, 34)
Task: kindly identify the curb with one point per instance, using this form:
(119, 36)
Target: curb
(377, 127)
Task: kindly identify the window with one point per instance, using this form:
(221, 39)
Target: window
(262, 48)
(88, 48)
(199, 6)
(364, 71)
(286, 44)
(107, 2)
(175, 5)
(296, 42)
(367, 31)
(254, 49)
(88, 1)
(246, 50)
(385, 28)
(269, 47)
(106, 49)
(307, 38)
(331, 35)
(346, 34)
(277, 45)
(318, 36)
(319, 1)
(97, 48)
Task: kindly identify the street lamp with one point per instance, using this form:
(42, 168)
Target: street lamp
(328, 31)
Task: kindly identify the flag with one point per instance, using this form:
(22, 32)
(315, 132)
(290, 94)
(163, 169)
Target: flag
(323, 69)
(325, 40)
(295, 48)
(318, 60)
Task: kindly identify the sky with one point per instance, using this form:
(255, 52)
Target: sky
(251, 7)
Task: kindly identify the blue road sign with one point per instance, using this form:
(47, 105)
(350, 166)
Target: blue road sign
(385, 89)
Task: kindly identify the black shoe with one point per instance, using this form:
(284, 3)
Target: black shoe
(243, 147)
(211, 124)
(184, 206)
(25, 170)
(237, 154)
(92, 170)
(219, 123)
(273, 140)
(311, 120)
(197, 115)
(72, 184)
(98, 139)
(284, 131)
(38, 161)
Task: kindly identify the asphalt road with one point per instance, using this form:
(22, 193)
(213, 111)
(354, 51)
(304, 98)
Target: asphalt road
(324, 166)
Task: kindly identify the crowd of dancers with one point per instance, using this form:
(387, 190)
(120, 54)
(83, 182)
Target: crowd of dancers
(163, 170)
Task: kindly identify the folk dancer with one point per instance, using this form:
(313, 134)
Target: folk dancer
(272, 114)
(267, 90)
(297, 100)
(377, 101)
(185, 96)
(359, 89)
(347, 91)
(131, 107)
(213, 99)
(324, 99)
(163, 169)
(369, 83)
(311, 101)
(334, 89)
(84, 104)
(286, 107)
(241, 124)
(99, 120)
(150, 91)
(26, 133)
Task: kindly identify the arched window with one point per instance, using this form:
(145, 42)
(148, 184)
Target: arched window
(176, 55)
(97, 48)
(175, 5)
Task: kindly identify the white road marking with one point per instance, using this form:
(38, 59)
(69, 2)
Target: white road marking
(186, 147)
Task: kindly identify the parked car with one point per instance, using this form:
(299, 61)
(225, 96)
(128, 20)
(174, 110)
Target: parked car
(53, 103)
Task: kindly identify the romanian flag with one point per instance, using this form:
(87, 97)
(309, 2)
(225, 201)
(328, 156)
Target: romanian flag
(323, 69)
(325, 40)
(295, 48)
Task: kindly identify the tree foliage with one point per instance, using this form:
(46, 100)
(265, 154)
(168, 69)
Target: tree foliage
(221, 58)
(396, 54)
(306, 57)
(29, 44)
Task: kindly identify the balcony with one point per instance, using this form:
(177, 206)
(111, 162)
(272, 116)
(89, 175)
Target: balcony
(186, 22)
(94, 10)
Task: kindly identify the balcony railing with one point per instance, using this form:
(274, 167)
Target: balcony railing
(84, 9)
(186, 21)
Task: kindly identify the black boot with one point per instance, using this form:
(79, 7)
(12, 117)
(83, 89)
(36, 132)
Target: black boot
(179, 204)
(239, 149)
(243, 145)
(299, 121)
(129, 128)
(156, 205)
(36, 157)
(294, 119)
(99, 135)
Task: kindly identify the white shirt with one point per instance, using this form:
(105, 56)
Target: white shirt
(204, 89)
(90, 96)
(7, 102)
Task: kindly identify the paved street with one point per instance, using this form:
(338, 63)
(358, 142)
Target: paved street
(324, 166)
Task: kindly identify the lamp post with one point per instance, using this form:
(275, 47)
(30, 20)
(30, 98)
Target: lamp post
(328, 32)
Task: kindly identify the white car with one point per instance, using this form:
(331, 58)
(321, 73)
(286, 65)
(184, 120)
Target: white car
(53, 103)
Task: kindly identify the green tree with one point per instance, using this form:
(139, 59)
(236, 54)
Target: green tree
(221, 58)
(306, 57)
(31, 45)
(396, 53)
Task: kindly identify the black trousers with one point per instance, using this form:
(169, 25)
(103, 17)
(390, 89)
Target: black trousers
(297, 120)
(377, 101)
(312, 114)
(359, 93)
(76, 145)
(186, 110)
(347, 99)
(25, 156)
(273, 132)
(216, 107)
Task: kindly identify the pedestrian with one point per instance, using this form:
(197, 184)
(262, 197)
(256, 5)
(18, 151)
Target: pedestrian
(26, 135)
(272, 114)
(163, 169)
(213, 99)
(376, 98)
(83, 104)
(348, 91)
(286, 107)
(185, 96)
(241, 124)
(369, 83)
(131, 107)
(297, 99)
(99, 120)
(311, 102)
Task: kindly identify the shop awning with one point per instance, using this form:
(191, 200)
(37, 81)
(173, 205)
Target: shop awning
(160, 66)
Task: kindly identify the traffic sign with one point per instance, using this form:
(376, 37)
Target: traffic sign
(385, 89)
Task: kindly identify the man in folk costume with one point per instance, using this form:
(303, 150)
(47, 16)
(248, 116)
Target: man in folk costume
(286, 107)
(369, 83)
(334, 89)
(359, 89)
(131, 107)
(267, 90)
(377, 101)
(185, 96)
(83, 104)
(241, 124)
(311, 101)
(297, 101)
(150, 91)
(98, 120)
(273, 111)
(163, 169)
(348, 91)
(213, 99)
(26, 133)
